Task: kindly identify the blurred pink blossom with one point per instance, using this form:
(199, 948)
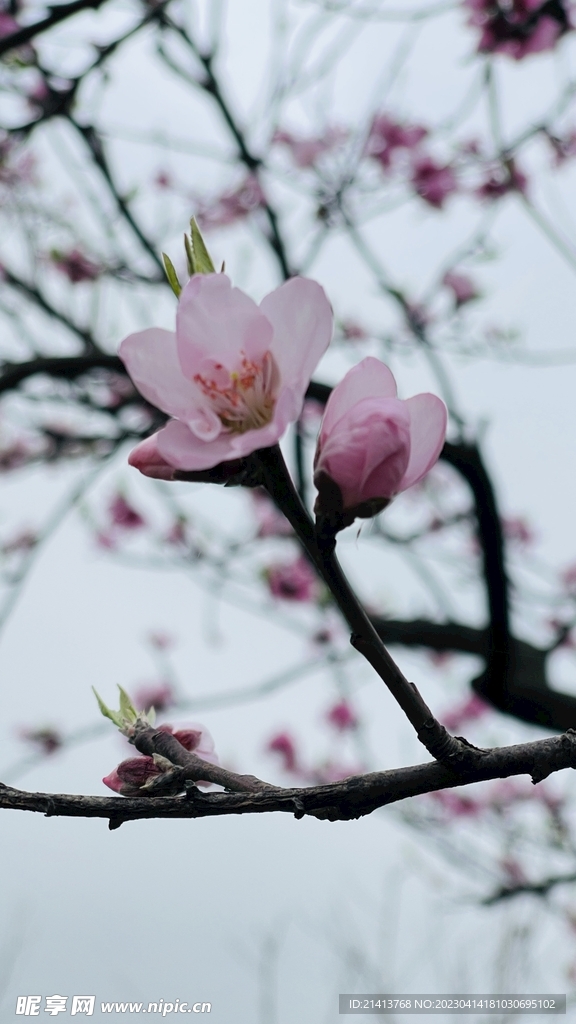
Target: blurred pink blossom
(456, 806)
(271, 522)
(518, 28)
(372, 445)
(518, 531)
(306, 151)
(163, 180)
(284, 745)
(76, 266)
(155, 695)
(161, 640)
(342, 716)
(353, 331)
(432, 181)
(564, 146)
(234, 374)
(231, 206)
(47, 739)
(293, 581)
(387, 136)
(124, 515)
(502, 180)
(22, 541)
(462, 287)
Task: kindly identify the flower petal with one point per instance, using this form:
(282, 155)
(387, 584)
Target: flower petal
(184, 450)
(152, 361)
(301, 316)
(216, 322)
(369, 379)
(428, 418)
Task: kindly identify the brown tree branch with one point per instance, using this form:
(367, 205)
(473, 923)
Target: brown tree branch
(340, 801)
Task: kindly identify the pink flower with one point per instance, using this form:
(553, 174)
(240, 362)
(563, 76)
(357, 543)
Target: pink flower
(295, 581)
(284, 745)
(353, 331)
(231, 206)
(517, 530)
(501, 181)
(373, 445)
(48, 739)
(518, 27)
(157, 695)
(124, 515)
(387, 136)
(462, 287)
(131, 775)
(306, 151)
(234, 374)
(432, 181)
(195, 738)
(76, 266)
(342, 716)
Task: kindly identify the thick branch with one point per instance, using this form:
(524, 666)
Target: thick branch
(340, 801)
(59, 13)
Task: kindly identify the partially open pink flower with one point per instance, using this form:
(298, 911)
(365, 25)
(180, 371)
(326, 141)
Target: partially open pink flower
(373, 445)
(234, 374)
(195, 738)
(130, 775)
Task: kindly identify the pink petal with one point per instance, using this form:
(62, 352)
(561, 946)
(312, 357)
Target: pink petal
(152, 361)
(369, 379)
(301, 316)
(183, 450)
(428, 418)
(216, 322)
(146, 458)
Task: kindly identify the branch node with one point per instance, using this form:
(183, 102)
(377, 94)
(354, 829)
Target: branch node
(299, 809)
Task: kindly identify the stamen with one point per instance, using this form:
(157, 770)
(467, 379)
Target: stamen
(246, 401)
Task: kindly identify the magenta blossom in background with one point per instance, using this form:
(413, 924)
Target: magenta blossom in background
(156, 695)
(388, 136)
(373, 445)
(271, 522)
(124, 515)
(502, 180)
(76, 266)
(234, 374)
(462, 287)
(231, 206)
(306, 151)
(518, 28)
(284, 745)
(342, 716)
(432, 181)
(294, 581)
(47, 739)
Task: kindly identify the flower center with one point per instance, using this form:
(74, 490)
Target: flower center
(243, 399)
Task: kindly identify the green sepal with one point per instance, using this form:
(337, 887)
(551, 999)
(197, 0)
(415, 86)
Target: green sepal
(201, 260)
(127, 710)
(171, 275)
(189, 255)
(114, 716)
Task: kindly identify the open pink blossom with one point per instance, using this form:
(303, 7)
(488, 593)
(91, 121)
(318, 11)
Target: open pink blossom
(432, 181)
(232, 376)
(373, 445)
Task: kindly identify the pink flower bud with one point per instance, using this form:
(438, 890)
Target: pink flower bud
(148, 460)
(373, 445)
(284, 745)
(129, 777)
(342, 716)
